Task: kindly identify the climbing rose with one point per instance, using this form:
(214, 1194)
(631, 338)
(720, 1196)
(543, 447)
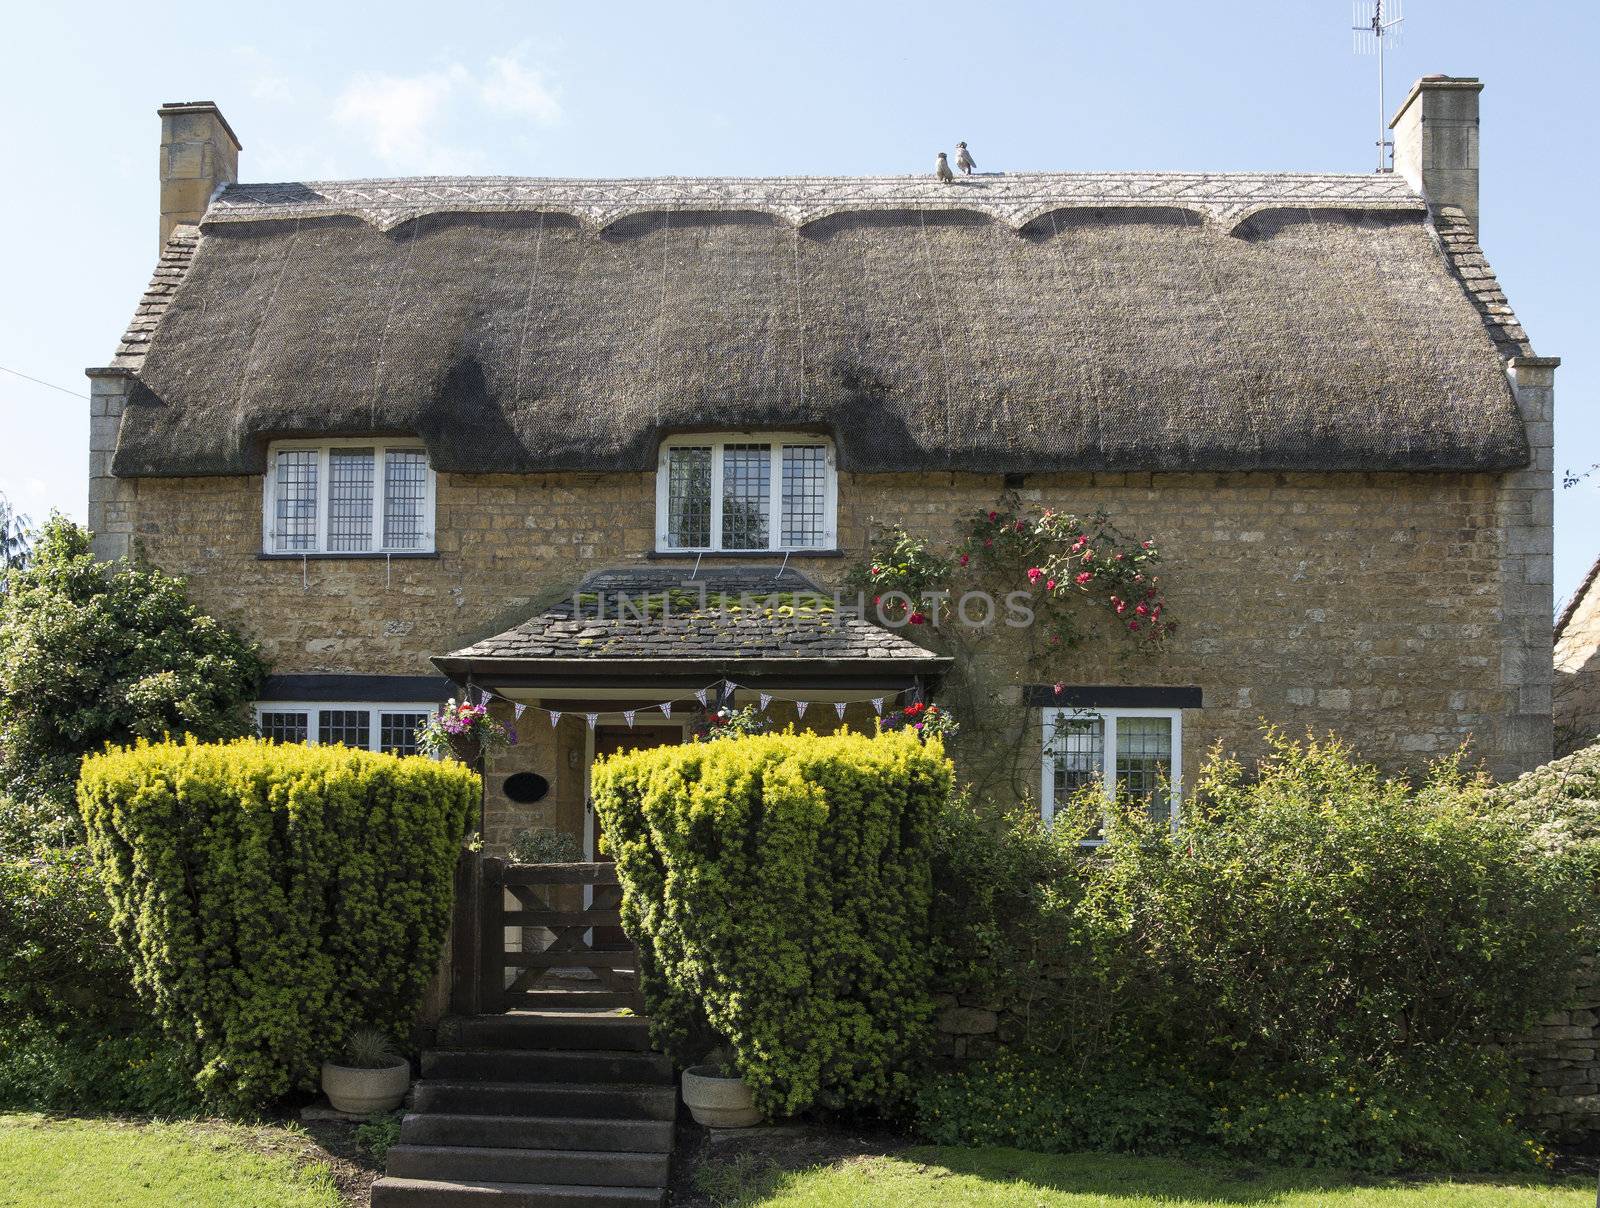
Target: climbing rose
(965, 559)
(1050, 584)
(1034, 574)
(1082, 577)
(916, 618)
(1133, 624)
(993, 516)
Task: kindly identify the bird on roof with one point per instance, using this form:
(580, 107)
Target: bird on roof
(942, 169)
(964, 159)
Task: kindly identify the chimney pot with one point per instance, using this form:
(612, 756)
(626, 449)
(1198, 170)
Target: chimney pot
(1436, 141)
(199, 154)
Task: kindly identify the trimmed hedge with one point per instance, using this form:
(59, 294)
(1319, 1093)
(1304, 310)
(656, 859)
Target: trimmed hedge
(270, 898)
(777, 887)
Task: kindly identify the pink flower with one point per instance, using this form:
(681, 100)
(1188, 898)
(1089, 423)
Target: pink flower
(1034, 574)
(1147, 544)
(876, 600)
(988, 543)
(1019, 526)
(1049, 584)
(1142, 610)
(1133, 624)
(917, 618)
(965, 558)
(1119, 604)
(1060, 687)
(993, 516)
(1117, 558)
(876, 570)
(1082, 577)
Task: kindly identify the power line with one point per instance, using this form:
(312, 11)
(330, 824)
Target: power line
(41, 382)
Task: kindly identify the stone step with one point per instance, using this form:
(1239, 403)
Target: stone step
(537, 1132)
(617, 1101)
(593, 1000)
(390, 1192)
(547, 1065)
(551, 1030)
(580, 1167)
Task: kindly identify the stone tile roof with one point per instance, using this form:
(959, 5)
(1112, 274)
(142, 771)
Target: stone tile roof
(1016, 198)
(1460, 243)
(740, 621)
(176, 257)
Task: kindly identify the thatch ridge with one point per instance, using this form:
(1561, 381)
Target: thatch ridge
(1135, 334)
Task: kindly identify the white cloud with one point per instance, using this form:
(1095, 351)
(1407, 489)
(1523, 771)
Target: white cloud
(512, 87)
(398, 115)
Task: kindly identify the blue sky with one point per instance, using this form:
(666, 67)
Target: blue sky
(340, 90)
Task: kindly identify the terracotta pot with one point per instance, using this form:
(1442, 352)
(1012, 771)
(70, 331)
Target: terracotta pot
(361, 1092)
(716, 1100)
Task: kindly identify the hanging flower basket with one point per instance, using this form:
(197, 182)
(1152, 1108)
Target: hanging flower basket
(464, 731)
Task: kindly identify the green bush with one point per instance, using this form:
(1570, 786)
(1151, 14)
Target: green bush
(1557, 804)
(271, 898)
(1324, 953)
(73, 1035)
(96, 652)
(777, 887)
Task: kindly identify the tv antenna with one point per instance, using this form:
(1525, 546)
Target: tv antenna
(1377, 23)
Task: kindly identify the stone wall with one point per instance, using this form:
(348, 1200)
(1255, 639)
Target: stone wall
(1576, 698)
(1560, 1057)
(1373, 605)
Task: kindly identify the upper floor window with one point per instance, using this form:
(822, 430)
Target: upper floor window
(348, 497)
(1139, 751)
(756, 491)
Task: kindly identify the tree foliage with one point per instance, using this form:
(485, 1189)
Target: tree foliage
(96, 652)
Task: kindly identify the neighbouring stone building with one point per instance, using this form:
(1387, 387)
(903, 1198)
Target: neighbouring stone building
(408, 433)
(1577, 670)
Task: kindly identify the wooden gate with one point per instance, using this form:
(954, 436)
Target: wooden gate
(550, 959)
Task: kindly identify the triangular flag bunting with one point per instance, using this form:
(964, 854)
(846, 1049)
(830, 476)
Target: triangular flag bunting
(555, 717)
(800, 707)
(593, 717)
(765, 697)
(666, 708)
(627, 716)
(700, 695)
(838, 707)
(877, 705)
(518, 709)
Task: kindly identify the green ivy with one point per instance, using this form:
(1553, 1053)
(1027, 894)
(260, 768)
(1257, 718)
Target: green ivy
(271, 898)
(777, 887)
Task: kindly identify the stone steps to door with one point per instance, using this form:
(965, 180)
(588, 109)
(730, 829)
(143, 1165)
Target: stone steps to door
(536, 1109)
(390, 1192)
(537, 1132)
(586, 1066)
(618, 1101)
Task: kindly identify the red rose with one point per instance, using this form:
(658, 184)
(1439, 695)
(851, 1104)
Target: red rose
(1142, 609)
(1049, 584)
(965, 559)
(1034, 574)
(1082, 577)
(993, 516)
(916, 618)
(1133, 624)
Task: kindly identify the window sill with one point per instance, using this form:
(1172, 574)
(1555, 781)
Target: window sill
(771, 555)
(347, 557)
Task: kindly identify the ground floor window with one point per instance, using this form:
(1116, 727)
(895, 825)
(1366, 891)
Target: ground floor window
(1136, 750)
(388, 728)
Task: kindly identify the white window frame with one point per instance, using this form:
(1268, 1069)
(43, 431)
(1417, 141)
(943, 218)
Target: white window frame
(1108, 770)
(716, 441)
(312, 709)
(380, 447)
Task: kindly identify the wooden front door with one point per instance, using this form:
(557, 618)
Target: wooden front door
(608, 740)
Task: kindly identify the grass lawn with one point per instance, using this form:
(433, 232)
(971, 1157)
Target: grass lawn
(55, 1163)
(992, 1178)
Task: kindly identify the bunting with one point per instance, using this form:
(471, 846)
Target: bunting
(877, 705)
(800, 707)
(555, 718)
(627, 716)
(765, 698)
(518, 709)
(593, 717)
(700, 695)
(666, 708)
(838, 707)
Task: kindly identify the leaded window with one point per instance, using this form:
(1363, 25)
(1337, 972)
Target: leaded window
(348, 497)
(390, 728)
(1133, 751)
(746, 493)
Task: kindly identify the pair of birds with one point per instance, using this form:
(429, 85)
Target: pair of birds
(964, 161)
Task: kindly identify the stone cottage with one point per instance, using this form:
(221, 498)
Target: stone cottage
(1577, 670)
(412, 435)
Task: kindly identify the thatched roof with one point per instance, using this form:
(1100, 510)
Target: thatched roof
(1027, 322)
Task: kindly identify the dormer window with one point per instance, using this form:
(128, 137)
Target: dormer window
(348, 497)
(745, 492)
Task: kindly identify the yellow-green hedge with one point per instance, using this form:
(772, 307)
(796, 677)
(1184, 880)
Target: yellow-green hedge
(778, 888)
(271, 897)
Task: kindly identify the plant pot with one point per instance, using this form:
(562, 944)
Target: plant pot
(716, 1100)
(468, 748)
(361, 1092)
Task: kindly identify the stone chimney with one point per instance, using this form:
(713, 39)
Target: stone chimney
(199, 154)
(1436, 141)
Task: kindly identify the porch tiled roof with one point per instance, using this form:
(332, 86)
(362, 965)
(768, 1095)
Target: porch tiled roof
(732, 613)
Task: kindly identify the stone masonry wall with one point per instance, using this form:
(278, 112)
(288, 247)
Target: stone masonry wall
(1372, 605)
